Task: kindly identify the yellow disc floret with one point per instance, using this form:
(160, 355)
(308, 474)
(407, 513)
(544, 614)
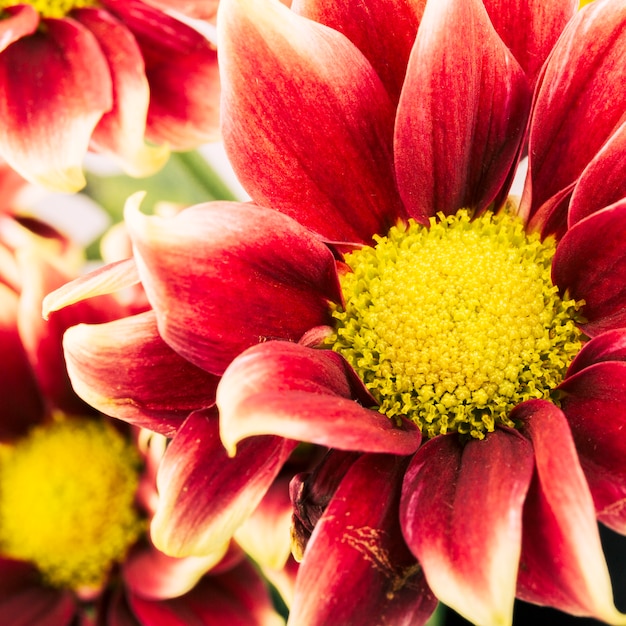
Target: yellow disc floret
(455, 324)
(51, 8)
(67, 494)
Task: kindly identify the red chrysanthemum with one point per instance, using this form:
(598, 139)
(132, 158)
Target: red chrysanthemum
(460, 354)
(116, 76)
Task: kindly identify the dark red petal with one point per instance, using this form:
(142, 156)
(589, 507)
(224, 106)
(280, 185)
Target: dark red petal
(458, 132)
(307, 124)
(286, 389)
(54, 87)
(120, 132)
(21, 404)
(461, 515)
(589, 264)
(181, 67)
(357, 568)
(609, 346)
(562, 564)
(205, 495)
(238, 597)
(124, 369)
(224, 276)
(594, 407)
(17, 21)
(383, 30)
(603, 181)
(25, 601)
(530, 28)
(581, 88)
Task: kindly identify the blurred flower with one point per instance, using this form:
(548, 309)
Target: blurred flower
(118, 76)
(461, 356)
(77, 490)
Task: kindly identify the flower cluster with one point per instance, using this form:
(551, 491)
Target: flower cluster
(387, 378)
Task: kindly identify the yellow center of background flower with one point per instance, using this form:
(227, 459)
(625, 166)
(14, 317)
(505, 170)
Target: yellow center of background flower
(67, 494)
(454, 325)
(50, 8)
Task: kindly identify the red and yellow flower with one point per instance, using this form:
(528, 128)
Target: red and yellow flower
(76, 490)
(119, 77)
(459, 353)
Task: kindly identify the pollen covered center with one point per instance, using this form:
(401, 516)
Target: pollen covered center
(51, 8)
(455, 324)
(67, 494)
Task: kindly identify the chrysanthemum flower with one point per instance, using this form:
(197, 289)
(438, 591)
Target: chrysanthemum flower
(460, 354)
(76, 491)
(116, 76)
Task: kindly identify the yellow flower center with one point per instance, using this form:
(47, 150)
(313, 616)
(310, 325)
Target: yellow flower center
(67, 495)
(51, 8)
(454, 325)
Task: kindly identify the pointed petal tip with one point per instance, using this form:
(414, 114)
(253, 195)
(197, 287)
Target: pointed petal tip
(70, 180)
(146, 160)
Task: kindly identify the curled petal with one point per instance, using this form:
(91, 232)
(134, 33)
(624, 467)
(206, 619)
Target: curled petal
(562, 563)
(383, 31)
(313, 138)
(357, 565)
(181, 67)
(102, 281)
(608, 346)
(120, 132)
(461, 515)
(17, 22)
(153, 575)
(594, 407)
(205, 495)
(581, 88)
(124, 369)
(286, 389)
(594, 272)
(54, 87)
(224, 276)
(542, 20)
(458, 132)
(603, 181)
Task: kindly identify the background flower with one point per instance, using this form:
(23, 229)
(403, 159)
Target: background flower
(119, 77)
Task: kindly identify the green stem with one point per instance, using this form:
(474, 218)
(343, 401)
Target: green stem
(204, 174)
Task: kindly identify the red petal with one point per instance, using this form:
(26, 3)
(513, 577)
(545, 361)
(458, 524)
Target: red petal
(21, 404)
(581, 88)
(152, 575)
(530, 28)
(285, 389)
(120, 132)
(17, 22)
(237, 598)
(589, 263)
(205, 495)
(383, 30)
(181, 67)
(562, 563)
(124, 369)
(54, 87)
(313, 137)
(609, 346)
(43, 340)
(461, 515)
(356, 564)
(199, 9)
(458, 132)
(603, 181)
(594, 406)
(25, 601)
(224, 276)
